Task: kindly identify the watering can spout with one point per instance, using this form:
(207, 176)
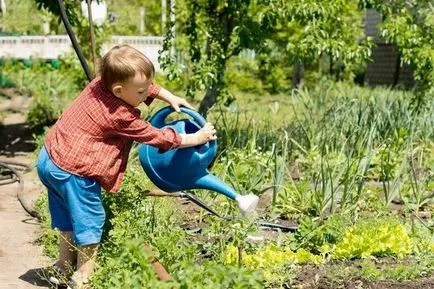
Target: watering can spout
(211, 182)
(246, 203)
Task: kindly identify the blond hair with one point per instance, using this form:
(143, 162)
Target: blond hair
(121, 64)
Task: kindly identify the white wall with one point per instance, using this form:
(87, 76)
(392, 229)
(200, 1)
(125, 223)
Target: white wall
(53, 46)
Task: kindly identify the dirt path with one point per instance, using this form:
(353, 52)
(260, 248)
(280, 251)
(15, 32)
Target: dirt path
(20, 257)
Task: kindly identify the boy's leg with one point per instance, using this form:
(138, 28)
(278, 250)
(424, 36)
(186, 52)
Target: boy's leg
(62, 270)
(86, 259)
(84, 200)
(60, 219)
(67, 251)
(85, 265)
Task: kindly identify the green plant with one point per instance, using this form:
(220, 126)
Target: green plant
(315, 235)
(237, 166)
(210, 276)
(242, 76)
(51, 90)
(374, 237)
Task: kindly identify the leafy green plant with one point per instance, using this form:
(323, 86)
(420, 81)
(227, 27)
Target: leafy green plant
(314, 234)
(242, 76)
(237, 166)
(127, 266)
(374, 237)
(272, 260)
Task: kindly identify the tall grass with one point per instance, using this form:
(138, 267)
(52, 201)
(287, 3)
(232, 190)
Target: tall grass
(338, 137)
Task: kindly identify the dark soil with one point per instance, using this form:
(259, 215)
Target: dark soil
(318, 277)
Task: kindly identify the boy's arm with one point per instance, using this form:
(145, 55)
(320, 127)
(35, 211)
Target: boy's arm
(173, 100)
(153, 91)
(133, 127)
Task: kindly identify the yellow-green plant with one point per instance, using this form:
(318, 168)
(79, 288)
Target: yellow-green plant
(271, 259)
(373, 237)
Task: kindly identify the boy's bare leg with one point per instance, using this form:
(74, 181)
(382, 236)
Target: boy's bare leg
(86, 259)
(67, 251)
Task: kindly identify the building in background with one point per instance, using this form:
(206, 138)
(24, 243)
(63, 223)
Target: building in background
(386, 68)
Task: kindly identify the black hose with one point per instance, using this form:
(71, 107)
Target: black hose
(12, 172)
(272, 226)
(192, 197)
(74, 40)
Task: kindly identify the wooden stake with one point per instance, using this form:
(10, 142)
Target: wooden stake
(159, 269)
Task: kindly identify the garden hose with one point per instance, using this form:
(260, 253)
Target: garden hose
(273, 226)
(193, 198)
(11, 172)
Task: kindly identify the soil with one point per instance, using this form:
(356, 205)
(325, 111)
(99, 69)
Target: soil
(21, 259)
(313, 277)
(310, 276)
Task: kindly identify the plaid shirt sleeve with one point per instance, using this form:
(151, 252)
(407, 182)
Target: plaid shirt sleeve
(153, 91)
(130, 125)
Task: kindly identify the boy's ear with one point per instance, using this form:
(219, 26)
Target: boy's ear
(117, 90)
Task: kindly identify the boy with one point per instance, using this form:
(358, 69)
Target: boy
(88, 149)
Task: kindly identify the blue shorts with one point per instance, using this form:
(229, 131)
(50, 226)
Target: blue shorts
(75, 202)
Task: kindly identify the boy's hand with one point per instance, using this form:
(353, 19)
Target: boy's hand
(206, 134)
(176, 102)
(173, 100)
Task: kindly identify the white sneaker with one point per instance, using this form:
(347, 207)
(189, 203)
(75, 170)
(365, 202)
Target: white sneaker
(78, 282)
(57, 275)
(247, 203)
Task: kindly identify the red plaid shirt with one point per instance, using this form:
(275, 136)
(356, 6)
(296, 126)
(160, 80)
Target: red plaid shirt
(93, 136)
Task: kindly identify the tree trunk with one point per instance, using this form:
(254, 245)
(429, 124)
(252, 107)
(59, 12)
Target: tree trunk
(397, 70)
(212, 93)
(297, 75)
(209, 100)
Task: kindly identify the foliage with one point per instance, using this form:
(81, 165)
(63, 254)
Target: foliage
(127, 17)
(134, 221)
(127, 266)
(211, 275)
(242, 75)
(312, 235)
(308, 34)
(49, 238)
(51, 90)
(217, 31)
(238, 165)
(342, 138)
(14, 22)
(81, 25)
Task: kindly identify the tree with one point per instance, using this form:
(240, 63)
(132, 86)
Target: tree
(301, 31)
(79, 22)
(217, 30)
(14, 21)
(128, 16)
(307, 30)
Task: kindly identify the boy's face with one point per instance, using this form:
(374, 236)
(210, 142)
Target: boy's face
(133, 91)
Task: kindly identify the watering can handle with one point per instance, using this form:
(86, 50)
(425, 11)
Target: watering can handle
(158, 120)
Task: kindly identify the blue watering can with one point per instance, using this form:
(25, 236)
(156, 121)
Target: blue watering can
(185, 169)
